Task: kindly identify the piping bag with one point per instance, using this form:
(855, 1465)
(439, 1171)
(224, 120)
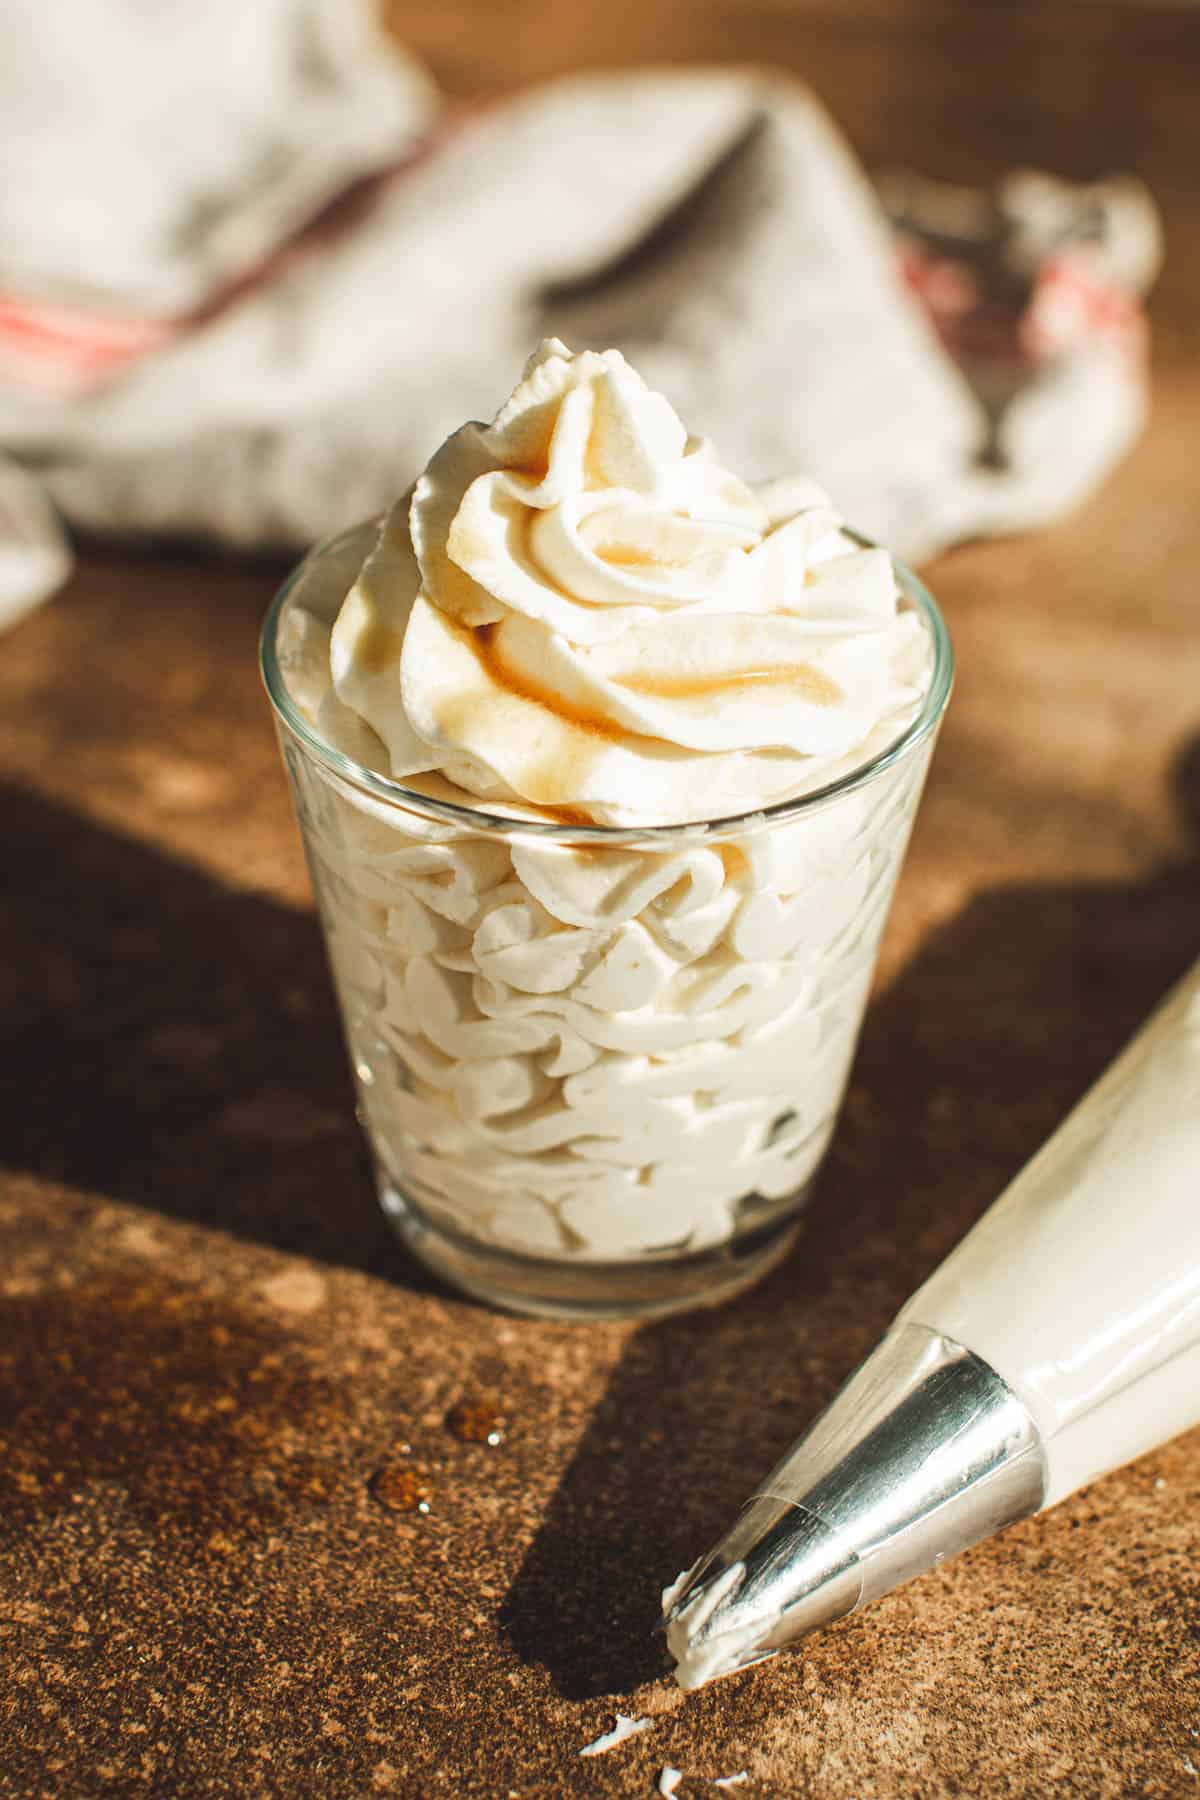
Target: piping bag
(1059, 1339)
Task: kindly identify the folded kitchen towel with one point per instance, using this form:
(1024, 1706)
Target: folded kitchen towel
(251, 275)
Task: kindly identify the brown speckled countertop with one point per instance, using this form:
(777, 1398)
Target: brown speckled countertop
(221, 1384)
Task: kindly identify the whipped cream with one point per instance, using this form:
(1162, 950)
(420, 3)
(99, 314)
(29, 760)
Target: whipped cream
(588, 1051)
(580, 609)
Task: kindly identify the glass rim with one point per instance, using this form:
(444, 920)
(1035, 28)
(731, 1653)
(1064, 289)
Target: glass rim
(483, 822)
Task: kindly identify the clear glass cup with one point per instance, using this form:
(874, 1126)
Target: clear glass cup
(598, 1069)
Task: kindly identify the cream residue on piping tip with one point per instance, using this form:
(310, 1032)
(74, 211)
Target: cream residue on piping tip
(676, 1587)
(700, 1659)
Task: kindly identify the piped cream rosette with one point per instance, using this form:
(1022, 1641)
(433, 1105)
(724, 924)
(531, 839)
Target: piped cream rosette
(579, 609)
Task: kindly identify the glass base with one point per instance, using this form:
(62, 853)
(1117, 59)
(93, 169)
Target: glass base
(542, 1289)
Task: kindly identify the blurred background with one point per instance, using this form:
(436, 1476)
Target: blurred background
(255, 262)
(961, 89)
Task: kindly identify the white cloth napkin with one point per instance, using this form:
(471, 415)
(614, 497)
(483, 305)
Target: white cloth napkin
(178, 356)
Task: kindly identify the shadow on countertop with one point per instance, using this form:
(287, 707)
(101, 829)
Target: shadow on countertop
(176, 1043)
(967, 1063)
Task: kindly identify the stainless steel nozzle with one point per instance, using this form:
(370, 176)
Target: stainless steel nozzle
(922, 1453)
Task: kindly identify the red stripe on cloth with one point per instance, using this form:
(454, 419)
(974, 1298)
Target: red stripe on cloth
(64, 349)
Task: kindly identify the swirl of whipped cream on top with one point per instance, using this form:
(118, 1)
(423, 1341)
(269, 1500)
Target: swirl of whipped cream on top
(577, 608)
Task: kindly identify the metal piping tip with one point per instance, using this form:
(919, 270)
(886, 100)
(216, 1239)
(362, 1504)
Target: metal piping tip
(923, 1452)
